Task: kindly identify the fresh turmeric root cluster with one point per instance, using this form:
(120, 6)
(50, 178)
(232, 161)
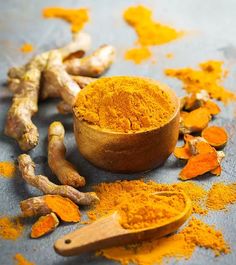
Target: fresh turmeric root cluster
(200, 152)
(58, 73)
(44, 77)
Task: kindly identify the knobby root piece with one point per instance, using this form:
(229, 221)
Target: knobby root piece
(94, 65)
(197, 100)
(64, 108)
(27, 169)
(34, 206)
(62, 168)
(194, 121)
(198, 165)
(215, 136)
(44, 225)
(61, 206)
(25, 82)
(24, 105)
(56, 78)
(182, 152)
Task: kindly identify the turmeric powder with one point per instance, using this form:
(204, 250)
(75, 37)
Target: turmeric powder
(76, 17)
(221, 195)
(180, 245)
(10, 228)
(146, 210)
(27, 47)
(7, 169)
(138, 55)
(149, 31)
(21, 260)
(209, 78)
(44, 225)
(124, 104)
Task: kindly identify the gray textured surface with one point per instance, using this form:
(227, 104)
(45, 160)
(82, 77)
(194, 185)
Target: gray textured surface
(212, 26)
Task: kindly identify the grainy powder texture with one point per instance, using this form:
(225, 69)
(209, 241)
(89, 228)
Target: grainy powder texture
(124, 104)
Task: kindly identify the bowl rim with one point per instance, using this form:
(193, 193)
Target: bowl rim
(144, 131)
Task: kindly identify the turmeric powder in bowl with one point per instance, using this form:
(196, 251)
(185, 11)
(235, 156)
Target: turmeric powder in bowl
(126, 123)
(124, 104)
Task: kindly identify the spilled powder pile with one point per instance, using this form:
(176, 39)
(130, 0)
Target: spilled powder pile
(7, 169)
(21, 260)
(10, 228)
(221, 195)
(26, 47)
(76, 17)
(138, 55)
(149, 31)
(124, 104)
(209, 77)
(114, 195)
(180, 245)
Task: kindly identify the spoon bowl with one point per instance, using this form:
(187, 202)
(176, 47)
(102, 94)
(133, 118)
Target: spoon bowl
(108, 232)
(129, 152)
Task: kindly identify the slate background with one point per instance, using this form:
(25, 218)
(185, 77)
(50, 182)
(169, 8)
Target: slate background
(212, 29)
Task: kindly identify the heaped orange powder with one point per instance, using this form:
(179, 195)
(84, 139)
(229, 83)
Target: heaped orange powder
(21, 260)
(138, 55)
(7, 169)
(10, 228)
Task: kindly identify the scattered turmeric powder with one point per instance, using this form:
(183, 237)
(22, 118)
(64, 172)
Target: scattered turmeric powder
(215, 136)
(7, 169)
(76, 17)
(124, 104)
(113, 195)
(180, 245)
(44, 225)
(21, 260)
(10, 228)
(149, 31)
(221, 195)
(209, 78)
(27, 47)
(169, 55)
(138, 55)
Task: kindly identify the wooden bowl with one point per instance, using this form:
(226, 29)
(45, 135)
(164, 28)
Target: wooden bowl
(129, 152)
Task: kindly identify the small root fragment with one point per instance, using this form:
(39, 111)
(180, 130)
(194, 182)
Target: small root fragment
(94, 65)
(62, 168)
(27, 169)
(44, 225)
(198, 165)
(61, 206)
(194, 121)
(182, 152)
(215, 136)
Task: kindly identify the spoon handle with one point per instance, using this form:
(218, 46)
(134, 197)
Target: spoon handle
(101, 234)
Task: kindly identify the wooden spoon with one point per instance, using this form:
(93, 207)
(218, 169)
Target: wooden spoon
(107, 232)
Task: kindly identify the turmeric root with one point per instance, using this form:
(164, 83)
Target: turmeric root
(94, 65)
(182, 152)
(64, 108)
(62, 168)
(24, 105)
(198, 165)
(27, 166)
(56, 75)
(44, 225)
(25, 81)
(61, 206)
(194, 121)
(215, 136)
